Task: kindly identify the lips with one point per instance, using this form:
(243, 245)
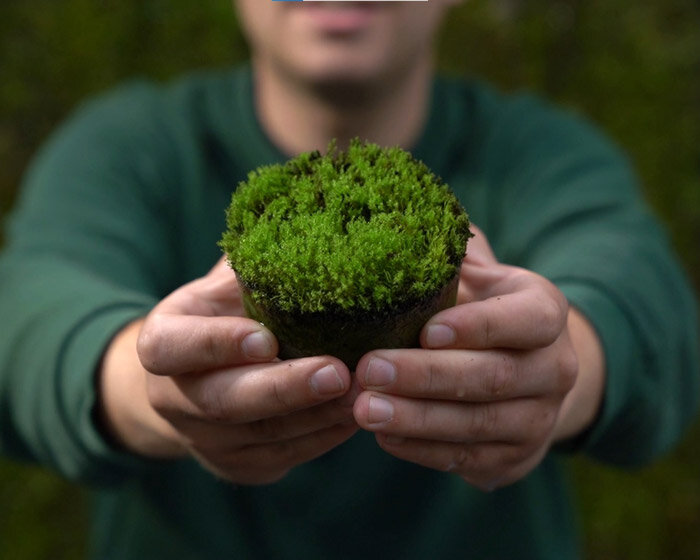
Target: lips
(339, 18)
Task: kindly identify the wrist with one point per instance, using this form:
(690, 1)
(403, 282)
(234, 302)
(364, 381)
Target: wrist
(123, 410)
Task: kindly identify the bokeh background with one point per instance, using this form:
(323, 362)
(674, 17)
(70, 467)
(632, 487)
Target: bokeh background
(632, 66)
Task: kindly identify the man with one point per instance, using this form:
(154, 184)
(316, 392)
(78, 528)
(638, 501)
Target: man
(573, 348)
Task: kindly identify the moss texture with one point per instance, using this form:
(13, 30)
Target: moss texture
(367, 229)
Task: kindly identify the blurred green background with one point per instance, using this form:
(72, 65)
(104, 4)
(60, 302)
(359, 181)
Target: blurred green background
(631, 66)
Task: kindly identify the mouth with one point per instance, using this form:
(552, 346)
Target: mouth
(340, 17)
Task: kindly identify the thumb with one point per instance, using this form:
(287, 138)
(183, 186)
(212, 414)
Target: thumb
(221, 269)
(479, 250)
(478, 261)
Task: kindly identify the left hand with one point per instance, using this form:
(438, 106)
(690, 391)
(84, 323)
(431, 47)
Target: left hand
(482, 397)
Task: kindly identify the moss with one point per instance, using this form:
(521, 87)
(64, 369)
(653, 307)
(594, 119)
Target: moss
(367, 229)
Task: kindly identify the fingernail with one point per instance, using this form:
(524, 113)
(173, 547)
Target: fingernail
(439, 335)
(380, 411)
(258, 345)
(379, 373)
(326, 381)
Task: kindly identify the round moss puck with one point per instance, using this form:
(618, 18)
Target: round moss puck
(345, 252)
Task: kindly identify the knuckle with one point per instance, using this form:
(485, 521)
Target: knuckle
(567, 367)
(240, 469)
(553, 319)
(209, 348)
(277, 457)
(461, 462)
(427, 383)
(488, 468)
(150, 344)
(487, 331)
(552, 309)
(483, 482)
(158, 396)
(480, 467)
(510, 456)
(560, 304)
(423, 417)
(214, 405)
(467, 460)
(279, 394)
(267, 429)
(484, 417)
(540, 437)
(159, 393)
(500, 378)
(287, 454)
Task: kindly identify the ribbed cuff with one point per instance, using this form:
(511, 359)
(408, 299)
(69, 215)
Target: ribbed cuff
(92, 458)
(616, 334)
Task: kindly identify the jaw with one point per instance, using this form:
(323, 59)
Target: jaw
(336, 42)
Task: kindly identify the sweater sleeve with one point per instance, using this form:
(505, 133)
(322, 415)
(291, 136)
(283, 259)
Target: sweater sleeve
(570, 208)
(88, 249)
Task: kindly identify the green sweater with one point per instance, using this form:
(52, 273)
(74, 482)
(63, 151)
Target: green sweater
(126, 203)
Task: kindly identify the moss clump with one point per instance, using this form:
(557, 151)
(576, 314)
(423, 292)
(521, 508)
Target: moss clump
(367, 229)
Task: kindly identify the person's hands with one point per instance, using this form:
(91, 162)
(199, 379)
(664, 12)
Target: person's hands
(486, 395)
(205, 381)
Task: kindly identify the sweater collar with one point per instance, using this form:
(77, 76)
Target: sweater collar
(251, 147)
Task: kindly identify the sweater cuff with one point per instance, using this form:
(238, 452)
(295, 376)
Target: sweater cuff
(615, 332)
(94, 459)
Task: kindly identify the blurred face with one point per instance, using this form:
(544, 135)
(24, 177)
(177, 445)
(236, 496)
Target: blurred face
(340, 42)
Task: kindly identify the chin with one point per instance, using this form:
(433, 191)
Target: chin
(344, 76)
(354, 67)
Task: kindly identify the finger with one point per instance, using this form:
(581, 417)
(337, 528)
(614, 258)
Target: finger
(478, 249)
(220, 290)
(528, 313)
(479, 258)
(468, 376)
(249, 393)
(178, 344)
(216, 293)
(514, 421)
(227, 437)
(221, 268)
(486, 466)
(263, 464)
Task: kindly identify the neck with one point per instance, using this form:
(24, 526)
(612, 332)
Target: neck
(299, 116)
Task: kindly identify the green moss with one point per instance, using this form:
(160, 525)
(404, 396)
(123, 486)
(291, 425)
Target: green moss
(368, 229)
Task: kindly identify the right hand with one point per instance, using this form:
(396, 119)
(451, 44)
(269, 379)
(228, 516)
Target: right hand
(197, 376)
